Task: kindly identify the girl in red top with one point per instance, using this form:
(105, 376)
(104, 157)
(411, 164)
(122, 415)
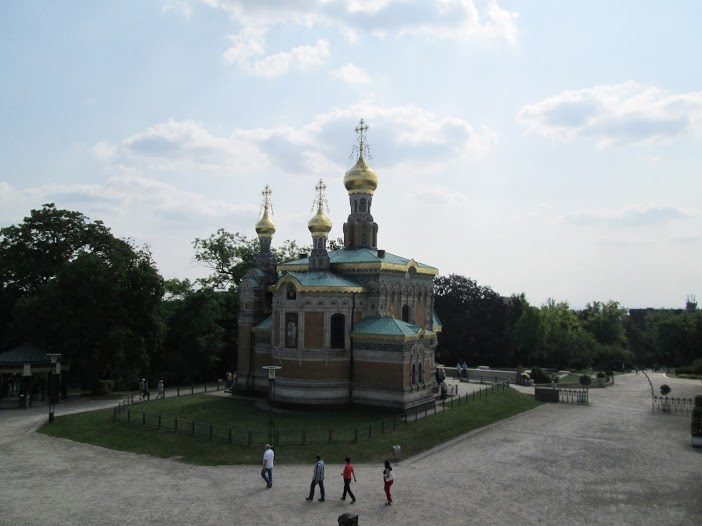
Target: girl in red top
(347, 474)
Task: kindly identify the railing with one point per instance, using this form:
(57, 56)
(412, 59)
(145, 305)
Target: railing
(573, 396)
(130, 413)
(673, 405)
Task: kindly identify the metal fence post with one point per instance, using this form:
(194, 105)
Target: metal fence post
(192, 389)
(330, 435)
(176, 425)
(159, 421)
(178, 394)
(230, 435)
(249, 439)
(355, 436)
(382, 426)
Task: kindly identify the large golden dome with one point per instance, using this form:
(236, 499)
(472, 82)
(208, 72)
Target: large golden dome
(361, 179)
(265, 226)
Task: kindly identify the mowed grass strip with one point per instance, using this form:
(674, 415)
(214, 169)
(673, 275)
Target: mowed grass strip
(98, 428)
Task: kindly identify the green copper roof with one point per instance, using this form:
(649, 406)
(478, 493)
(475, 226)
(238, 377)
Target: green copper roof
(435, 321)
(266, 324)
(359, 255)
(322, 279)
(385, 327)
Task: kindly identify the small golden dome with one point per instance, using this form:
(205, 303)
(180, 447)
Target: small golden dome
(265, 227)
(361, 179)
(319, 224)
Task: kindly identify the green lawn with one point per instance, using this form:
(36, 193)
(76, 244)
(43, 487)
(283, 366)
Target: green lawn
(98, 428)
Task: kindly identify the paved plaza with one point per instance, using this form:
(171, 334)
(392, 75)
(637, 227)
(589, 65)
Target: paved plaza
(612, 462)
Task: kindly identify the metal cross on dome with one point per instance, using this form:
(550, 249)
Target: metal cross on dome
(361, 130)
(320, 201)
(266, 193)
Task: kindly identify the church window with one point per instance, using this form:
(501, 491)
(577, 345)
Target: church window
(363, 205)
(292, 294)
(363, 238)
(421, 373)
(352, 235)
(414, 374)
(405, 313)
(291, 330)
(355, 206)
(338, 332)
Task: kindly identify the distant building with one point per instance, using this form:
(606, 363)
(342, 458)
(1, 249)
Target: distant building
(355, 325)
(638, 316)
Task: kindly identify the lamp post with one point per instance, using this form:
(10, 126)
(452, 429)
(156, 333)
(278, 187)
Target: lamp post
(54, 371)
(271, 396)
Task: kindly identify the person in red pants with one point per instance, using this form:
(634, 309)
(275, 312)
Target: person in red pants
(389, 478)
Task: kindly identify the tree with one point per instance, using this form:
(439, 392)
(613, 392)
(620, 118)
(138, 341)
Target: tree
(231, 255)
(79, 291)
(605, 321)
(475, 321)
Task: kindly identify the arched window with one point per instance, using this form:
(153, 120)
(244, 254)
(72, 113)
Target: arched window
(405, 313)
(362, 208)
(363, 238)
(414, 374)
(338, 332)
(421, 373)
(352, 236)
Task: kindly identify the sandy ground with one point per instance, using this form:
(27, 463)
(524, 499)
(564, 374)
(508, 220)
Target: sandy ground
(612, 462)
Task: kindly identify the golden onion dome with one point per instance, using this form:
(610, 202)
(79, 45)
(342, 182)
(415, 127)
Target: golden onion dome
(361, 179)
(265, 226)
(319, 224)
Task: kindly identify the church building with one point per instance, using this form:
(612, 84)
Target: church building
(351, 326)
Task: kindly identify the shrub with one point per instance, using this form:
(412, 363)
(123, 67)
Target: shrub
(600, 375)
(609, 373)
(104, 386)
(665, 389)
(695, 368)
(585, 380)
(540, 376)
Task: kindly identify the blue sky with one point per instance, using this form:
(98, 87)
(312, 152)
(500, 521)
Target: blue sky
(545, 147)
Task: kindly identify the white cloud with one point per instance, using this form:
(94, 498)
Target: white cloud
(351, 74)
(437, 195)
(445, 19)
(615, 114)
(184, 145)
(644, 215)
(409, 138)
(180, 7)
(299, 58)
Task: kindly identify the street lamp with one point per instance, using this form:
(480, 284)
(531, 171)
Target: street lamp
(55, 370)
(271, 396)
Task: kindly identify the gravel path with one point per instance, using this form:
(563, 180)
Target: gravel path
(612, 462)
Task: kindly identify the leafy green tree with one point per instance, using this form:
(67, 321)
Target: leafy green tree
(476, 322)
(676, 336)
(79, 291)
(529, 336)
(230, 255)
(605, 321)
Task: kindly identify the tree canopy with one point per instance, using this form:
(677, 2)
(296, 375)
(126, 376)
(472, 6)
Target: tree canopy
(71, 287)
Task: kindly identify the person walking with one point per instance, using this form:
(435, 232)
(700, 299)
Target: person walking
(347, 474)
(267, 466)
(142, 384)
(318, 478)
(161, 391)
(388, 478)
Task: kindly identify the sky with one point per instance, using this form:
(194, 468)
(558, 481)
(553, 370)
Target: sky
(545, 147)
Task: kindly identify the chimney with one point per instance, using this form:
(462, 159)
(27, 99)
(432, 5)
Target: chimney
(303, 255)
(381, 254)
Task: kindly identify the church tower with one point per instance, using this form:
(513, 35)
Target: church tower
(360, 231)
(265, 228)
(319, 226)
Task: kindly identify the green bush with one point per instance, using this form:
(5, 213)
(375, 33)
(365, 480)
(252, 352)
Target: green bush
(609, 373)
(585, 380)
(665, 389)
(104, 387)
(540, 376)
(601, 375)
(696, 423)
(695, 368)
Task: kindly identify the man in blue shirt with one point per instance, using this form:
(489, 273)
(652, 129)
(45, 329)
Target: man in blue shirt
(318, 478)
